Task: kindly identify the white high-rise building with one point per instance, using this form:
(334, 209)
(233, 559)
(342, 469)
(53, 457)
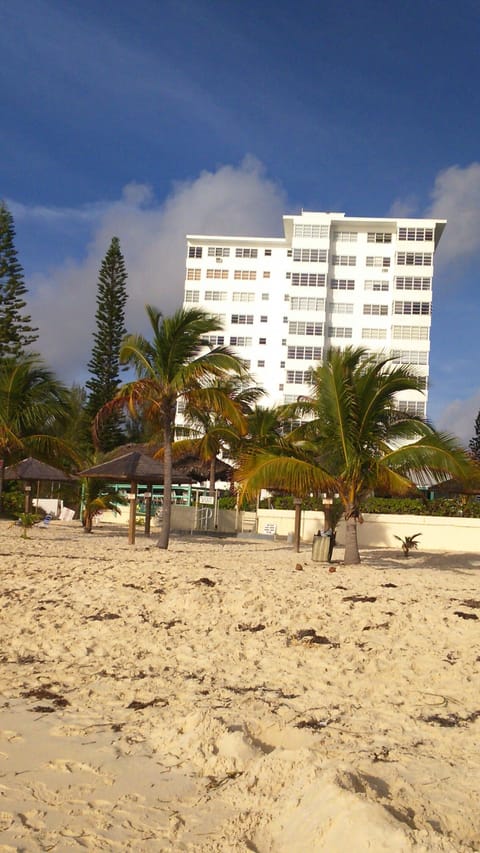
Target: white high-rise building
(332, 280)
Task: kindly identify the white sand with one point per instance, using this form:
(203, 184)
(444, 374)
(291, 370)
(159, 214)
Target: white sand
(144, 709)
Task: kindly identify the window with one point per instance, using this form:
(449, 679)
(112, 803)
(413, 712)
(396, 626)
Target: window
(285, 319)
(266, 273)
(305, 328)
(260, 363)
(282, 364)
(262, 340)
(342, 308)
(414, 259)
(345, 236)
(308, 279)
(339, 332)
(264, 318)
(344, 260)
(421, 308)
(215, 340)
(192, 296)
(420, 234)
(312, 256)
(265, 297)
(307, 353)
(193, 274)
(245, 275)
(342, 284)
(412, 407)
(218, 252)
(374, 334)
(216, 273)
(243, 296)
(412, 283)
(299, 377)
(377, 261)
(313, 231)
(307, 303)
(374, 309)
(246, 253)
(194, 251)
(379, 237)
(242, 319)
(268, 253)
(240, 342)
(410, 333)
(371, 284)
(215, 295)
(410, 356)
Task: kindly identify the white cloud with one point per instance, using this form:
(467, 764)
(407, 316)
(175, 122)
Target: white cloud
(456, 197)
(238, 200)
(459, 417)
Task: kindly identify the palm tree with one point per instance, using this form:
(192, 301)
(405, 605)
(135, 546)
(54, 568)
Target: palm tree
(355, 438)
(177, 363)
(98, 497)
(211, 432)
(32, 404)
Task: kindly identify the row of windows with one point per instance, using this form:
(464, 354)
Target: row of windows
(379, 237)
(410, 356)
(341, 308)
(425, 234)
(224, 252)
(345, 236)
(313, 231)
(300, 352)
(306, 279)
(299, 377)
(411, 407)
(246, 319)
(416, 259)
(222, 296)
(344, 260)
(342, 284)
(340, 332)
(307, 303)
(305, 328)
(312, 256)
(375, 334)
(421, 308)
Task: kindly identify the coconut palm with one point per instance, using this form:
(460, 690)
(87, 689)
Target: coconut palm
(355, 438)
(210, 432)
(32, 404)
(178, 362)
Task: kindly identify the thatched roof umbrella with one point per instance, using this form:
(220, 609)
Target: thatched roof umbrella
(133, 468)
(30, 470)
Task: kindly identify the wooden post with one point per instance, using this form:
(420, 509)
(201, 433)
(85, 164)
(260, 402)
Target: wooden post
(132, 497)
(28, 497)
(148, 511)
(298, 513)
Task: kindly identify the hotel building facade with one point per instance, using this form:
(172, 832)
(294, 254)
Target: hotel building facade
(332, 280)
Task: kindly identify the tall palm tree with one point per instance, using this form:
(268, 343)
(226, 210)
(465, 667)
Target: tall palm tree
(32, 404)
(355, 438)
(177, 362)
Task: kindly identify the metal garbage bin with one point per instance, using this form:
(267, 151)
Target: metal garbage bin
(321, 547)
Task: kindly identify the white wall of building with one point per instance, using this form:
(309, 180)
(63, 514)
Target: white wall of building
(332, 280)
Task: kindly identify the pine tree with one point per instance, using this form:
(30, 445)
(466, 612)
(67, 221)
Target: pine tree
(16, 331)
(474, 444)
(104, 366)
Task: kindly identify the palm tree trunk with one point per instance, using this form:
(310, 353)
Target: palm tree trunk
(352, 554)
(164, 537)
(211, 485)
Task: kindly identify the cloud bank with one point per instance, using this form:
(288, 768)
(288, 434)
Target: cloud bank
(234, 199)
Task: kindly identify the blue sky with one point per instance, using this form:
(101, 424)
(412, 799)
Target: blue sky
(154, 119)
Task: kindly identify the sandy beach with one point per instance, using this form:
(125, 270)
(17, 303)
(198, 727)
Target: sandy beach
(233, 695)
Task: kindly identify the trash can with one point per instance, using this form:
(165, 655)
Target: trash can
(321, 550)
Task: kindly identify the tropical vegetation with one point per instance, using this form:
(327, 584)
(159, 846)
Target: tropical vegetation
(176, 364)
(353, 438)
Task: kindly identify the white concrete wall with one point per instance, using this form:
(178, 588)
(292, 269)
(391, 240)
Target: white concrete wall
(438, 533)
